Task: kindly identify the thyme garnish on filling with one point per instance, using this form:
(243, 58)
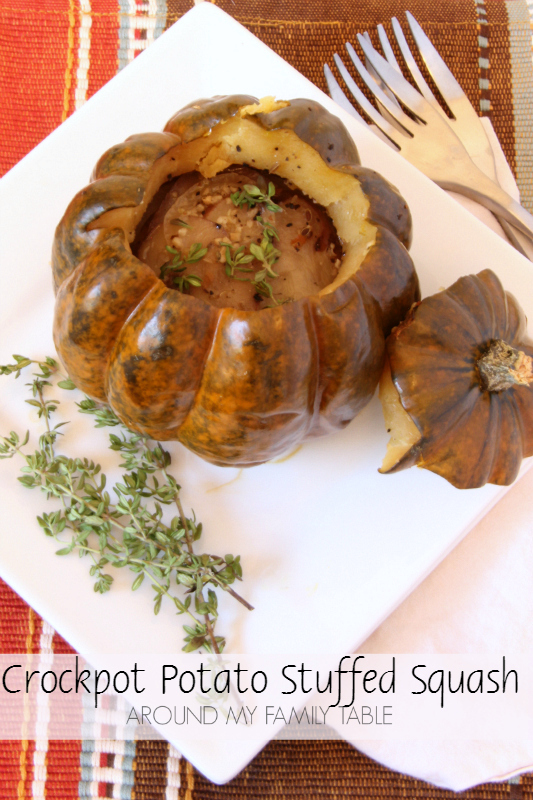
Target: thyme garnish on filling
(265, 252)
(237, 259)
(181, 222)
(175, 266)
(130, 532)
(251, 196)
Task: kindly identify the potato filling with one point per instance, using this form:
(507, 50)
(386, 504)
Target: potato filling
(236, 153)
(243, 239)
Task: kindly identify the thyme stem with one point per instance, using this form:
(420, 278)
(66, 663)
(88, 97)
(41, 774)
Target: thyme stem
(144, 544)
(185, 524)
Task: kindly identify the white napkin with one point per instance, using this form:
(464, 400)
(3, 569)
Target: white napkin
(479, 600)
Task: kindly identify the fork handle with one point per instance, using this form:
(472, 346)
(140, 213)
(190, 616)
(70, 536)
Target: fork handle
(517, 239)
(489, 194)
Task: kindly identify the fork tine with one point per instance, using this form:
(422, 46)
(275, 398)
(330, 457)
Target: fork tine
(372, 72)
(384, 126)
(338, 95)
(387, 49)
(403, 90)
(374, 75)
(392, 108)
(412, 66)
(466, 124)
(437, 68)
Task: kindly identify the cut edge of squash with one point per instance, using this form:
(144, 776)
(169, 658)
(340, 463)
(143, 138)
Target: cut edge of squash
(281, 152)
(404, 435)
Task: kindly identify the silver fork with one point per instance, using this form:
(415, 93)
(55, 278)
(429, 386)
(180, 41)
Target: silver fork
(429, 142)
(465, 121)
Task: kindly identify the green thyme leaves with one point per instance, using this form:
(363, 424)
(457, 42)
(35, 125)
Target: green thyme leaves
(180, 222)
(236, 260)
(21, 362)
(172, 269)
(251, 196)
(196, 253)
(123, 527)
(267, 255)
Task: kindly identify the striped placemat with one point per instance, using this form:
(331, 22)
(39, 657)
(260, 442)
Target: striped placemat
(151, 770)
(54, 54)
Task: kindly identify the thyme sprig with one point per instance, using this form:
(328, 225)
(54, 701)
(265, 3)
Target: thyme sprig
(129, 532)
(236, 261)
(175, 266)
(181, 222)
(251, 196)
(269, 230)
(265, 253)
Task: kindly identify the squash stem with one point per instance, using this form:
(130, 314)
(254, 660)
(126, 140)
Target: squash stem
(502, 366)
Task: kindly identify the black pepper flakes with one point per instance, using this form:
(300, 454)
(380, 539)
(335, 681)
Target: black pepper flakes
(238, 148)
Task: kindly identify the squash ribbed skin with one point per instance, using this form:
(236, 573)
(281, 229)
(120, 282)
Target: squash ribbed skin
(199, 118)
(469, 435)
(135, 156)
(92, 307)
(74, 239)
(236, 387)
(387, 273)
(387, 209)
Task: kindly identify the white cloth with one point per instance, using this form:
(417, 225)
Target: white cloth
(479, 600)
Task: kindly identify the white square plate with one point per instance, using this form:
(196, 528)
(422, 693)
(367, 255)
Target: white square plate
(329, 546)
